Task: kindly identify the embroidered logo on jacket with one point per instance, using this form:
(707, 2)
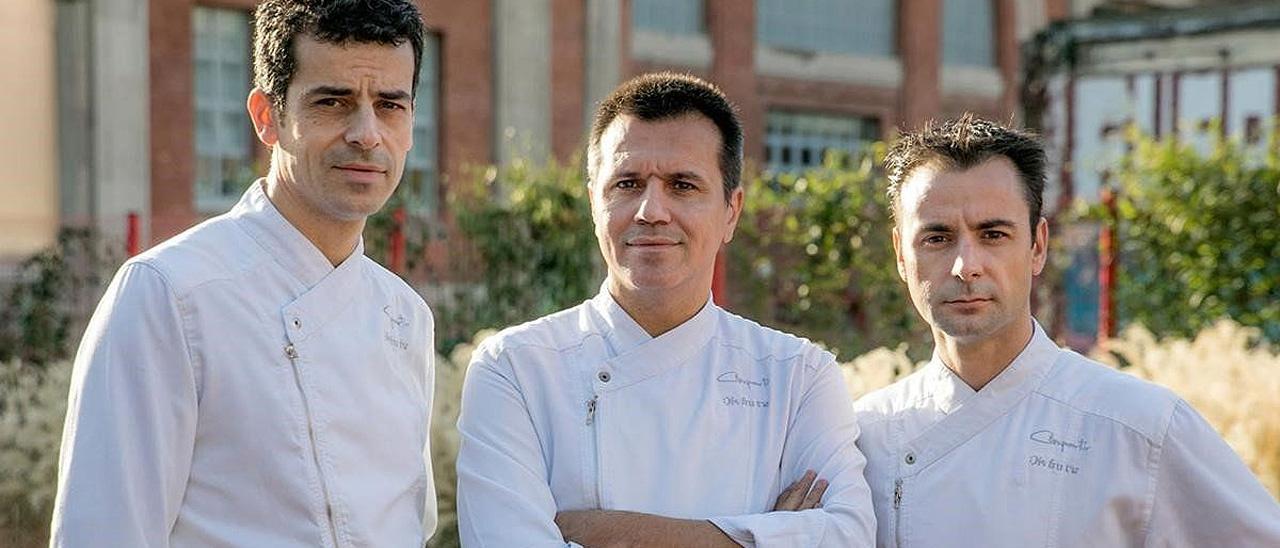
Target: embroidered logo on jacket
(1046, 437)
(732, 377)
(394, 339)
(397, 319)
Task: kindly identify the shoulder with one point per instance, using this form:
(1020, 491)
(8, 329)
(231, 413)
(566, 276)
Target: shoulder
(214, 250)
(1097, 389)
(553, 333)
(766, 344)
(895, 397)
(388, 283)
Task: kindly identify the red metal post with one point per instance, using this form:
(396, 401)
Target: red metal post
(131, 234)
(1107, 268)
(396, 241)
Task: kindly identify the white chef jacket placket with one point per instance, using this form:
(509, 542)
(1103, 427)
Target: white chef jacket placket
(970, 416)
(637, 360)
(303, 319)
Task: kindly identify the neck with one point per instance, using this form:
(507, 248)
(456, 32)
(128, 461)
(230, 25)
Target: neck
(336, 239)
(976, 361)
(658, 311)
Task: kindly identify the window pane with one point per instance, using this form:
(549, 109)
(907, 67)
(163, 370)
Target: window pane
(420, 183)
(863, 27)
(668, 16)
(221, 73)
(795, 141)
(968, 33)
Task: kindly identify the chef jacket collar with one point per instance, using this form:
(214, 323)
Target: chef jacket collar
(637, 355)
(949, 391)
(265, 224)
(622, 332)
(978, 409)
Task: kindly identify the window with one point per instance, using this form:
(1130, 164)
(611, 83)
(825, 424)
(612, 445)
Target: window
(968, 33)
(795, 141)
(862, 27)
(224, 134)
(420, 185)
(668, 16)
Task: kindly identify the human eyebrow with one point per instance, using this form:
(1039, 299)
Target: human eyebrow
(996, 223)
(329, 91)
(685, 176)
(397, 95)
(937, 227)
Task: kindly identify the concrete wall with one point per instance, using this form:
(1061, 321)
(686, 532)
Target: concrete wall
(522, 78)
(121, 116)
(28, 144)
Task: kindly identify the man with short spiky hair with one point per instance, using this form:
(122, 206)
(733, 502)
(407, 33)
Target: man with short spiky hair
(1004, 439)
(649, 416)
(256, 380)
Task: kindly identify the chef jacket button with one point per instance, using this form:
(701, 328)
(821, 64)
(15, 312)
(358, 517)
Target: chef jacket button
(911, 458)
(297, 323)
(604, 376)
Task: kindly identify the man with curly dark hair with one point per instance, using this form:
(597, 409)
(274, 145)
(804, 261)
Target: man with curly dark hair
(256, 380)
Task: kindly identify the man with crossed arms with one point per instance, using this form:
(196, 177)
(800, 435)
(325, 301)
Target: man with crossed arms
(648, 415)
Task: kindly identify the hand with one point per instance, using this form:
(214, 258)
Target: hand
(804, 494)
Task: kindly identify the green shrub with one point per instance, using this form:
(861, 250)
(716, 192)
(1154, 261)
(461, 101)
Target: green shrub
(55, 292)
(1199, 236)
(528, 244)
(814, 256)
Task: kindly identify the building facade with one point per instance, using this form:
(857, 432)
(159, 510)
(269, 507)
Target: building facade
(150, 93)
(1175, 73)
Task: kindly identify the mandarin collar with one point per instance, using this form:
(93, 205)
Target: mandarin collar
(622, 332)
(636, 355)
(949, 391)
(286, 244)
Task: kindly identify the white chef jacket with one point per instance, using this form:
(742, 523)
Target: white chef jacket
(711, 420)
(235, 389)
(1057, 450)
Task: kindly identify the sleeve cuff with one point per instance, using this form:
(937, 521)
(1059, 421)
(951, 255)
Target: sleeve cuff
(735, 532)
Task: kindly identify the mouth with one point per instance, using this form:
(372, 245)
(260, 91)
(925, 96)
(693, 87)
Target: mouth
(361, 173)
(651, 242)
(972, 301)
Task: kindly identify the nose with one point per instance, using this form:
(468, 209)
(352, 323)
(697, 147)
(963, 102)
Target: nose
(970, 261)
(362, 131)
(653, 204)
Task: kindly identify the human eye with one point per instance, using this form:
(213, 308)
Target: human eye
(327, 102)
(682, 185)
(626, 184)
(934, 239)
(393, 106)
(995, 235)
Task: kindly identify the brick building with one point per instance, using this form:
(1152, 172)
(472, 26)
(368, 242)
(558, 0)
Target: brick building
(150, 93)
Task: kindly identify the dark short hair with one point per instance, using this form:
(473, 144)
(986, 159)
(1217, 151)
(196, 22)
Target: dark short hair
(278, 22)
(962, 143)
(666, 95)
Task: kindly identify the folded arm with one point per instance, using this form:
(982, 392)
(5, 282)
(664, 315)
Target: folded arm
(609, 527)
(822, 437)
